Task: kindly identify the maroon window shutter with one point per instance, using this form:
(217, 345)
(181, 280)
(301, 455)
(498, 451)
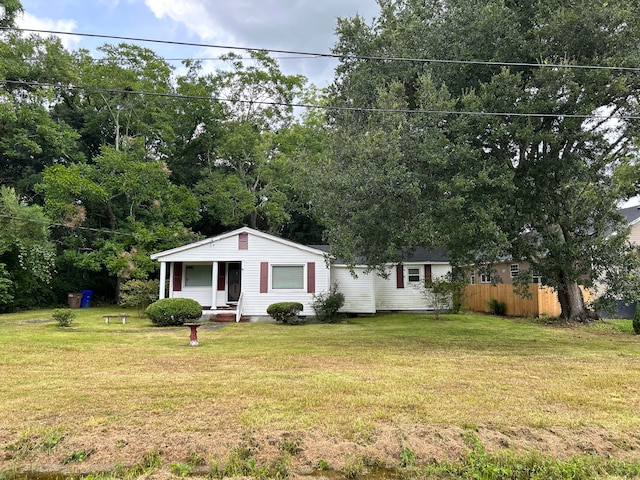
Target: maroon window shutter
(264, 277)
(427, 274)
(222, 279)
(400, 276)
(243, 241)
(177, 277)
(311, 277)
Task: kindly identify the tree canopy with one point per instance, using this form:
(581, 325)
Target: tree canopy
(507, 147)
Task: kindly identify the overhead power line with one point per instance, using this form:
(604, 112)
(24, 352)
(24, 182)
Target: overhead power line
(328, 55)
(71, 227)
(322, 107)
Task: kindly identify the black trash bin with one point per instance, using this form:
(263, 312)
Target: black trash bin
(75, 298)
(86, 298)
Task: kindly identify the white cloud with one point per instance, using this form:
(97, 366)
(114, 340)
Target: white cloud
(29, 21)
(195, 16)
(301, 25)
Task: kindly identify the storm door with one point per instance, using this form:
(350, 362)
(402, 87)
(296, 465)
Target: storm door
(234, 270)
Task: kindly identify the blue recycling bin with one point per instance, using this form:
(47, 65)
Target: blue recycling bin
(86, 298)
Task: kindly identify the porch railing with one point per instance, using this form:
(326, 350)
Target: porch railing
(239, 307)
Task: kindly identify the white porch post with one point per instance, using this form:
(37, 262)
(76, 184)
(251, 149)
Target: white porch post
(214, 285)
(163, 278)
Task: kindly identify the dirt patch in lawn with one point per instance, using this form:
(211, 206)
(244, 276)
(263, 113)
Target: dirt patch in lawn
(108, 448)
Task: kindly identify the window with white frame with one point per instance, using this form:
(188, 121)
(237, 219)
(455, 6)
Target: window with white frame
(485, 278)
(198, 275)
(536, 277)
(413, 274)
(472, 279)
(514, 270)
(287, 277)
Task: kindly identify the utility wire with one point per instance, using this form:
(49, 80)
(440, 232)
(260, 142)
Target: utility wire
(324, 107)
(328, 55)
(73, 227)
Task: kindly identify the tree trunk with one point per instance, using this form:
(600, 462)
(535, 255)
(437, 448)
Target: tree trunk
(572, 302)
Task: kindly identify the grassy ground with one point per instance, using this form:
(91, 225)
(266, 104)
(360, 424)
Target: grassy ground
(93, 396)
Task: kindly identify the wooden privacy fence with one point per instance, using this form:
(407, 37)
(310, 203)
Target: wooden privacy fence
(543, 300)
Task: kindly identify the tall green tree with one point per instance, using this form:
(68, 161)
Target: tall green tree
(116, 211)
(244, 181)
(121, 97)
(513, 153)
(32, 72)
(8, 11)
(26, 254)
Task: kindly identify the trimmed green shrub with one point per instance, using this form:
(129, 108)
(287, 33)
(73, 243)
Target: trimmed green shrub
(285, 312)
(173, 311)
(636, 319)
(326, 305)
(64, 317)
(496, 307)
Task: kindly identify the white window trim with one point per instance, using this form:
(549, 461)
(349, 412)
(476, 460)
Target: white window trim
(293, 290)
(485, 278)
(512, 270)
(420, 274)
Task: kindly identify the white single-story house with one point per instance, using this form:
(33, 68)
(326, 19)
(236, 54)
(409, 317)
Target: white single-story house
(244, 271)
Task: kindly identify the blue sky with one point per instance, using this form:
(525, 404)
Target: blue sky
(300, 25)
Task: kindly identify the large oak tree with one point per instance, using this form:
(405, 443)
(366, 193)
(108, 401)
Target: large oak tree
(511, 149)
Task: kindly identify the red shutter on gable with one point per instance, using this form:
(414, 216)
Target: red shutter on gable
(177, 277)
(222, 267)
(311, 277)
(400, 276)
(264, 277)
(427, 274)
(243, 241)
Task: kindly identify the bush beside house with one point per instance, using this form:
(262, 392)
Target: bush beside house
(285, 312)
(173, 311)
(326, 305)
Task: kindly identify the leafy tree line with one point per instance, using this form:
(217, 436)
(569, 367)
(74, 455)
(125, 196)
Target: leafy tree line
(104, 161)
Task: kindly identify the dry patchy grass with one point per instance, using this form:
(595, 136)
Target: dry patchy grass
(368, 387)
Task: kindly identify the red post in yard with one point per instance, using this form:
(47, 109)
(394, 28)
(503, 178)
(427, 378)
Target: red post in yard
(194, 333)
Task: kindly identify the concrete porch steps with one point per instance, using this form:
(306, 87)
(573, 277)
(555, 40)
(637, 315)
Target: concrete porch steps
(225, 313)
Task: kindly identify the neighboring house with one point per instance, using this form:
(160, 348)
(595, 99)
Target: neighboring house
(632, 214)
(244, 271)
(504, 271)
(625, 307)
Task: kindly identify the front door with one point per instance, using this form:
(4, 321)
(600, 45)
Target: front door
(234, 281)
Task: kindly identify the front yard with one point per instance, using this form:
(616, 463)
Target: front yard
(371, 388)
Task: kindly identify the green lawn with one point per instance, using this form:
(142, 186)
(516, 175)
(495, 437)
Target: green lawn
(348, 382)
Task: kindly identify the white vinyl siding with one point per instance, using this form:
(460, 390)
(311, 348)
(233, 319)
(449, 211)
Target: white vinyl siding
(390, 298)
(359, 293)
(262, 248)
